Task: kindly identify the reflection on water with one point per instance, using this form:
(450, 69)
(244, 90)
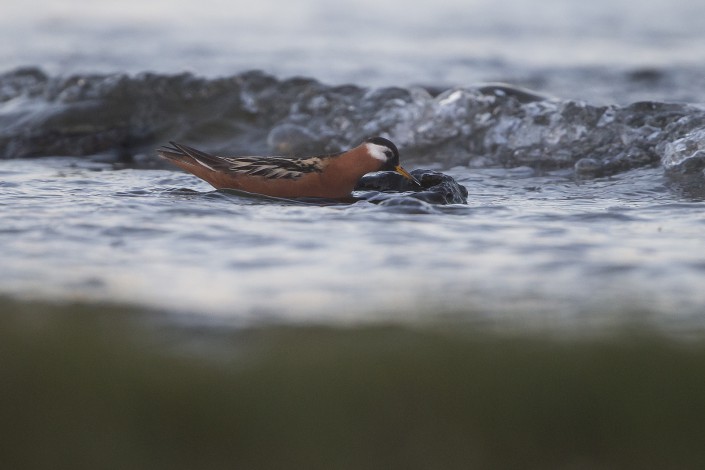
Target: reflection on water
(530, 244)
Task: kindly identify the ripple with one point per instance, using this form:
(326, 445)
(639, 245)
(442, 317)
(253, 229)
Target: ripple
(219, 253)
(602, 216)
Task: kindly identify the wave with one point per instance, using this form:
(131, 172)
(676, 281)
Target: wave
(124, 117)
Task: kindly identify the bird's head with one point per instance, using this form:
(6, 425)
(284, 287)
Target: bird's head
(387, 153)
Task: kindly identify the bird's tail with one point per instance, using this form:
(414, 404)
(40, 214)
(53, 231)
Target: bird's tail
(184, 155)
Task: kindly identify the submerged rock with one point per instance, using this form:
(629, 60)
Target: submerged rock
(436, 188)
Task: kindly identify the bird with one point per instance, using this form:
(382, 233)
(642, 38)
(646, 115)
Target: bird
(331, 176)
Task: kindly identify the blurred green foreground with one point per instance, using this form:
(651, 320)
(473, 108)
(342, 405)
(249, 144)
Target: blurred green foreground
(92, 387)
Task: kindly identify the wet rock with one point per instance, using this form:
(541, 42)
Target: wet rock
(503, 90)
(490, 125)
(406, 205)
(436, 187)
(587, 167)
(292, 139)
(685, 155)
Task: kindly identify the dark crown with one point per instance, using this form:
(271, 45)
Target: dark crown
(393, 159)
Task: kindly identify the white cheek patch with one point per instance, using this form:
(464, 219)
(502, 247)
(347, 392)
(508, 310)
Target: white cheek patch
(377, 152)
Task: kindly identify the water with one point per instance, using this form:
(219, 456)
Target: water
(605, 51)
(583, 205)
(524, 245)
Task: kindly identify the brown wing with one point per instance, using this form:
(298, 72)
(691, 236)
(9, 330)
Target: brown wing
(267, 167)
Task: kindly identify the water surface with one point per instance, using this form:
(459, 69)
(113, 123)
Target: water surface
(540, 246)
(607, 51)
(581, 206)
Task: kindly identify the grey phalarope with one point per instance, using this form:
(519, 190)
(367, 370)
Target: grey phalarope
(326, 176)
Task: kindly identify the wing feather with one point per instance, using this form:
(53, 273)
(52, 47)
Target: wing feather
(266, 167)
(276, 167)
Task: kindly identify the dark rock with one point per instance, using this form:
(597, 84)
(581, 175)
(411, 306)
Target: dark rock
(503, 90)
(436, 187)
(254, 113)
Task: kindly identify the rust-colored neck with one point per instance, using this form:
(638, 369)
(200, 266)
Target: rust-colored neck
(343, 172)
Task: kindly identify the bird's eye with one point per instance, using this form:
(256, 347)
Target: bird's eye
(388, 153)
